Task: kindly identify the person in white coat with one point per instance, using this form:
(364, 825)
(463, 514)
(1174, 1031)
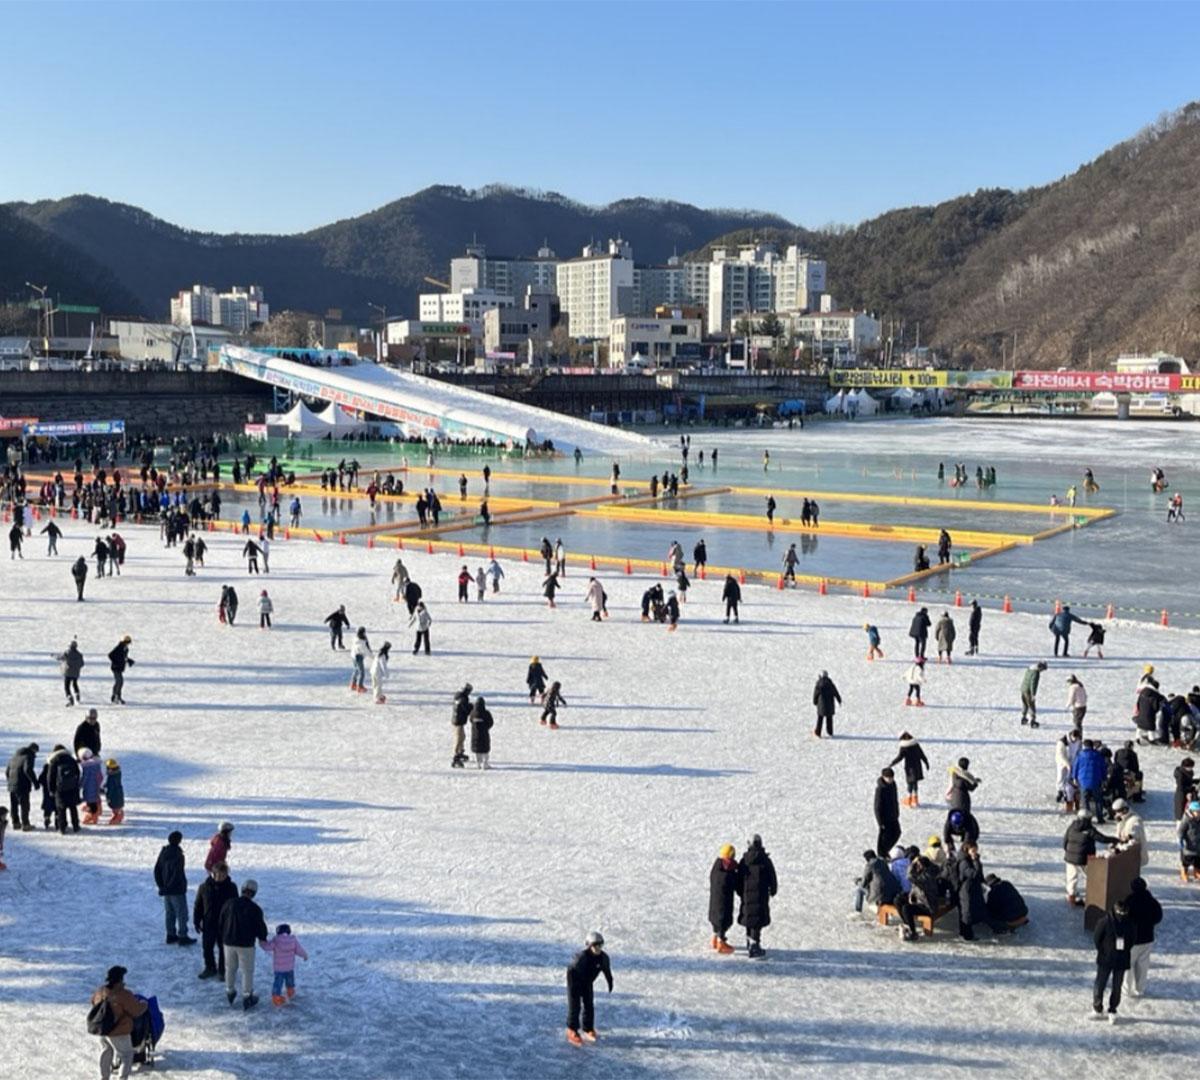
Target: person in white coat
(1077, 700)
(916, 679)
(1130, 830)
(379, 672)
(560, 558)
(595, 597)
(1065, 792)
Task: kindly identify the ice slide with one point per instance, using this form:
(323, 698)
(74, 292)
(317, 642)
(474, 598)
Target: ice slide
(426, 406)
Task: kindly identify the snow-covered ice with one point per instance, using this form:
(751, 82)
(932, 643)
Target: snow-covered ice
(440, 907)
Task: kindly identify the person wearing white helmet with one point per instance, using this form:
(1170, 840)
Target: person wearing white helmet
(1131, 832)
(591, 962)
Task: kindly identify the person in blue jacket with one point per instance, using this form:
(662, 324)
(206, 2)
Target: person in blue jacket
(1088, 772)
(1060, 627)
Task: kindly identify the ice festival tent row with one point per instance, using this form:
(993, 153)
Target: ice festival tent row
(300, 420)
(338, 421)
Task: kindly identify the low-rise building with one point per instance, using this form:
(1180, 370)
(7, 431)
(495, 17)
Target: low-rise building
(522, 330)
(143, 342)
(468, 306)
(666, 342)
(854, 330)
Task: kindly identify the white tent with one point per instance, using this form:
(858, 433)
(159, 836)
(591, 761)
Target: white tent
(337, 421)
(834, 404)
(300, 420)
(906, 399)
(864, 404)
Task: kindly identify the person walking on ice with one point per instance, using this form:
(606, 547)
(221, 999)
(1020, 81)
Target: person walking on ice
(1060, 627)
(874, 652)
(265, 610)
(480, 584)
(423, 621)
(757, 884)
(337, 623)
(1029, 689)
(723, 882)
(1113, 936)
(915, 764)
(1095, 640)
(1077, 700)
(79, 571)
(582, 972)
(70, 666)
(53, 533)
(379, 673)
(826, 699)
(535, 679)
(495, 572)
(460, 713)
(359, 656)
(918, 630)
(119, 659)
(551, 701)
(916, 677)
(481, 733)
(251, 552)
(284, 948)
(399, 578)
(945, 635)
(595, 597)
(732, 596)
(973, 624)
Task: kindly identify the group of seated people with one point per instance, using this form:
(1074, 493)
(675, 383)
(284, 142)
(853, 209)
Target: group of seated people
(928, 884)
(1166, 719)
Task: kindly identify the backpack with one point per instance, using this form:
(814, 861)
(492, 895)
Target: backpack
(101, 1018)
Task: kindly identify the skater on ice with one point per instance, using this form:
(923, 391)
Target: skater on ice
(1029, 689)
(915, 764)
(874, 652)
(723, 881)
(284, 949)
(916, 679)
(757, 885)
(587, 966)
(826, 699)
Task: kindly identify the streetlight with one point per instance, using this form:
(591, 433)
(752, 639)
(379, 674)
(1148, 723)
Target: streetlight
(44, 318)
(382, 309)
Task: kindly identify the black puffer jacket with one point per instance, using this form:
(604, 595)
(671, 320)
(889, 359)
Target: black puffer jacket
(481, 728)
(825, 696)
(915, 761)
(211, 898)
(919, 628)
(1145, 713)
(21, 776)
(62, 777)
(241, 922)
(1080, 841)
(722, 888)
(887, 803)
(968, 873)
(757, 885)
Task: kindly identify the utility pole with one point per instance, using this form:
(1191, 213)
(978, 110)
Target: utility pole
(382, 309)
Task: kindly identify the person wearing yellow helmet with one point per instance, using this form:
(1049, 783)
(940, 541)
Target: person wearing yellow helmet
(114, 791)
(722, 887)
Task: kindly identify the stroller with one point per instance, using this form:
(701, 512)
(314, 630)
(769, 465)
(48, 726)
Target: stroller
(147, 1030)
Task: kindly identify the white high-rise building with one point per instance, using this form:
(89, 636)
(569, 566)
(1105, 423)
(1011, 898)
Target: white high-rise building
(596, 287)
(466, 307)
(502, 273)
(238, 309)
(757, 279)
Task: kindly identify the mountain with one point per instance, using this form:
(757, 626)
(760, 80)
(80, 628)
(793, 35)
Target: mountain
(1103, 261)
(377, 258)
(29, 253)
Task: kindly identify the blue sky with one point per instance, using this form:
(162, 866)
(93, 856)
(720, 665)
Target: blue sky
(276, 117)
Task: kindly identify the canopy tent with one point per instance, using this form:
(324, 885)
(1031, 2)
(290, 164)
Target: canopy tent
(863, 403)
(834, 404)
(337, 421)
(299, 420)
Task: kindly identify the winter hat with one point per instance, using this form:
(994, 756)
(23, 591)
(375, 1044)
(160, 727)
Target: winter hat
(112, 763)
(263, 593)
(249, 887)
(727, 851)
(85, 754)
(175, 837)
(126, 640)
(1084, 815)
(1119, 805)
(869, 855)
(594, 938)
(964, 763)
(1148, 669)
(934, 841)
(956, 818)
(896, 853)
(115, 976)
(283, 928)
(225, 826)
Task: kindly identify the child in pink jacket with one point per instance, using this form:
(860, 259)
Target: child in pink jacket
(285, 949)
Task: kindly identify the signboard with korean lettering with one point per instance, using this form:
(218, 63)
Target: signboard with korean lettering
(883, 378)
(1098, 382)
(76, 427)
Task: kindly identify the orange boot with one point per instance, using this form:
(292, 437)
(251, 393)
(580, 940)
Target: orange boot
(724, 948)
(276, 999)
(573, 1038)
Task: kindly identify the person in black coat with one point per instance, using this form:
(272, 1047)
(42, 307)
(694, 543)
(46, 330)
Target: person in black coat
(732, 595)
(241, 924)
(756, 885)
(22, 780)
(214, 893)
(653, 595)
(87, 734)
(171, 879)
(337, 623)
(967, 877)
(915, 764)
(481, 732)
(887, 812)
(1185, 783)
(1145, 912)
(1004, 903)
(62, 778)
(826, 698)
(722, 888)
(918, 630)
(960, 824)
(973, 625)
(582, 972)
(79, 571)
(412, 593)
(1114, 937)
(1079, 844)
(118, 660)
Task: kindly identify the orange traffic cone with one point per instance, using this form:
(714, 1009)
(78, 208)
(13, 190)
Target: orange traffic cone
(461, 553)
(428, 547)
(742, 577)
(1164, 621)
(780, 584)
(1007, 609)
(318, 537)
(628, 567)
(912, 595)
(822, 588)
(663, 567)
(370, 541)
(866, 591)
(287, 534)
(341, 538)
(1111, 613)
(593, 562)
(958, 598)
(492, 553)
(524, 556)
(1057, 607)
(703, 572)
(399, 543)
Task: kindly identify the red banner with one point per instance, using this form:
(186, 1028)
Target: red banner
(1095, 382)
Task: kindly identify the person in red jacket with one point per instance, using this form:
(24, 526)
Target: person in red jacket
(464, 583)
(218, 847)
